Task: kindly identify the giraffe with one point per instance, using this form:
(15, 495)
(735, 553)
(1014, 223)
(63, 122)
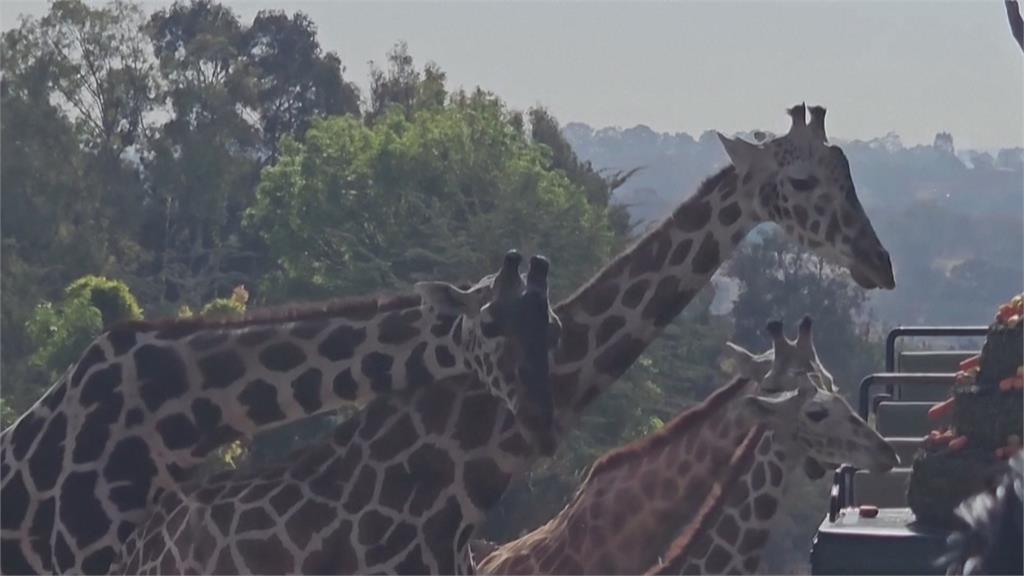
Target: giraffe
(636, 498)
(797, 181)
(740, 518)
(147, 402)
(808, 485)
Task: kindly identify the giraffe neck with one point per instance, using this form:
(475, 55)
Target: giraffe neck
(735, 524)
(636, 498)
(613, 318)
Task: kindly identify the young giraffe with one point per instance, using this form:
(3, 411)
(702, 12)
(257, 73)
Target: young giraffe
(809, 484)
(637, 498)
(736, 524)
(147, 402)
(797, 180)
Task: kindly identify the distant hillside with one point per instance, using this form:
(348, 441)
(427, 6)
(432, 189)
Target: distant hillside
(953, 220)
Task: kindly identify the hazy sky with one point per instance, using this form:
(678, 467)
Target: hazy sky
(878, 66)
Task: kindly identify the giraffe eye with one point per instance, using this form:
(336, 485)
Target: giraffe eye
(804, 184)
(817, 414)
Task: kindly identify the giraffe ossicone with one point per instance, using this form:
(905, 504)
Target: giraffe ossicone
(147, 402)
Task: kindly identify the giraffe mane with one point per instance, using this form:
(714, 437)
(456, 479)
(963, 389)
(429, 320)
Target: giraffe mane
(706, 188)
(356, 306)
(739, 463)
(690, 418)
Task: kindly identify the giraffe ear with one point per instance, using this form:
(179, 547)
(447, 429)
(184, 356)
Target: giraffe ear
(738, 361)
(449, 300)
(741, 153)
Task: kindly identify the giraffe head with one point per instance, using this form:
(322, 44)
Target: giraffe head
(799, 403)
(804, 185)
(504, 330)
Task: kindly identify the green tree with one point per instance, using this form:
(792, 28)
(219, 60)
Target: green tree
(295, 80)
(59, 332)
(439, 195)
(781, 280)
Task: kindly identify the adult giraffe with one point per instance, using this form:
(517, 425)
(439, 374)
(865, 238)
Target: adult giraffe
(797, 181)
(638, 498)
(147, 402)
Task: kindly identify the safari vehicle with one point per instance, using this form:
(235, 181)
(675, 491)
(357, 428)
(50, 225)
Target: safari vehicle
(869, 528)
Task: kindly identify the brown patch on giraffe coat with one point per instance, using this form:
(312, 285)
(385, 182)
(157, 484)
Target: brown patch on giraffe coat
(717, 560)
(435, 409)
(306, 390)
(266, 556)
(728, 529)
(377, 369)
(693, 215)
(609, 326)
(707, 257)
(681, 251)
(282, 356)
(729, 214)
(765, 506)
(600, 298)
(633, 295)
(650, 254)
(475, 422)
(345, 386)
(341, 343)
(751, 563)
(399, 327)
(485, 482)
